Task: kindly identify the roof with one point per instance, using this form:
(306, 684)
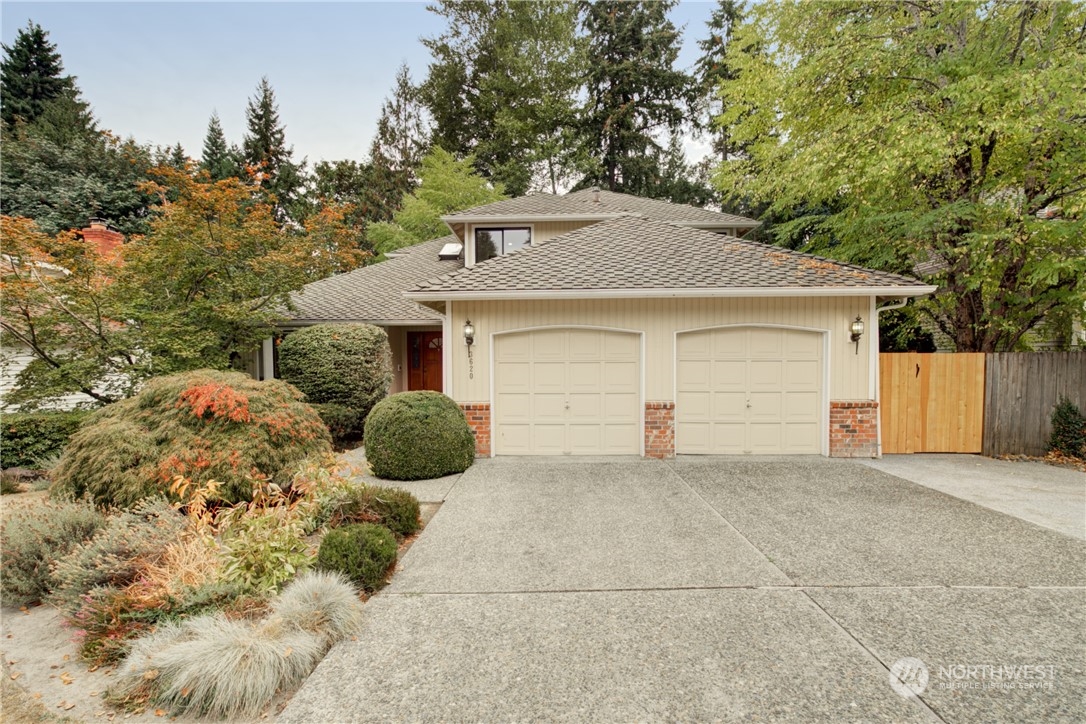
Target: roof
(637, 257)
(582, 205)
(375, 293)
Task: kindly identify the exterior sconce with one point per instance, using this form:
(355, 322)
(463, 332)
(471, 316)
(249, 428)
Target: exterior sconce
(857, 329)
(469, 333)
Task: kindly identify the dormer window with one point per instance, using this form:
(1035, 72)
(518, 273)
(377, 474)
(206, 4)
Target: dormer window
(500, 241)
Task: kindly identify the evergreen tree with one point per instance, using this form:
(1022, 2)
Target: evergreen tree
(32, 77)
(266, 153)
(396, 153)
(713, 68)
(503, 88)
(634, 92)
(220, 160)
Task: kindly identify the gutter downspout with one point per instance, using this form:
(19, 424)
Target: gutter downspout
(896, 304)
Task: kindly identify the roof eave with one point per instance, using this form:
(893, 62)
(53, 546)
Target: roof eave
(883, 291)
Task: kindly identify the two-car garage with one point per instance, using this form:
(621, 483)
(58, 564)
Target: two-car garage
(580, 391)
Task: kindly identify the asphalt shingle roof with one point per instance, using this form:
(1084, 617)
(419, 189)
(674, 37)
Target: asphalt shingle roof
(635, 253)
(375, 293)
(582, 203)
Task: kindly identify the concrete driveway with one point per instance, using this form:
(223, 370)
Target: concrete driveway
(713, 589)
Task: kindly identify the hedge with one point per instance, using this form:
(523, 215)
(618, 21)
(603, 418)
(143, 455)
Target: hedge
(32, 437)
(417, 436)
(341, 364)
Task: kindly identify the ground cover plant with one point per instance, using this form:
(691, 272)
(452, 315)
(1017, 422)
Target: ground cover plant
(203, 425)
(418, 435)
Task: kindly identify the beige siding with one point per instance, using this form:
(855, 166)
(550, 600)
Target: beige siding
(659, 319)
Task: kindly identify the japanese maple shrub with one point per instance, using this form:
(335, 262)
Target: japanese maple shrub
(203, 425)
(418, 435)
(345, 369)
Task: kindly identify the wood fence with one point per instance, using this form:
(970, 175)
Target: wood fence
(931, 402)
(995, 404)
(1022, 390)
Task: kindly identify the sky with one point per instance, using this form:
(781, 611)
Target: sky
(156, 71)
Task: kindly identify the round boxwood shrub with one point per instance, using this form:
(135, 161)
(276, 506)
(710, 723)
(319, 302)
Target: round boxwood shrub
(204, 425)
(340, 364)
(417, 436)
(362, 551)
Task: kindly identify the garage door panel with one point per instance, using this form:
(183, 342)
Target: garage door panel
(695, 436)
(729, 406)
(516, 439)
(728, 438)
(584, 376)
(694, 374)
(515, 407)
(696, 406)
(765, 374)
(621, 347)
(802, 375)
(729, 374)
(576, 392)
(765, 438)
(585, 345)
(621, 377)
(802, 437)
(801, 407)
(764, 391)
(728, 343)
(549, 344)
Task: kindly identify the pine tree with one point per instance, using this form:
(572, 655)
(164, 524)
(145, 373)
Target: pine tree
(265, 151)
(31, 76)
(220, 160)
(634, 92)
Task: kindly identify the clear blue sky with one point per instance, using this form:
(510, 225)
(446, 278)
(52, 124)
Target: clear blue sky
(156, 71)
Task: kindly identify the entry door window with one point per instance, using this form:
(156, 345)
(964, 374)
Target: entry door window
(490, 243)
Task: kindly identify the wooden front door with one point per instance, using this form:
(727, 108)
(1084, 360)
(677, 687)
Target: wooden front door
(424, 361)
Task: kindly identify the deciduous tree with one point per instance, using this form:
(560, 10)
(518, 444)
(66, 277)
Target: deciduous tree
(941, 137)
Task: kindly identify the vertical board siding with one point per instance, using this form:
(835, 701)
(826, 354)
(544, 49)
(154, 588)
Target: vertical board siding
(1022, 390)
(660, 319)
(932, 402)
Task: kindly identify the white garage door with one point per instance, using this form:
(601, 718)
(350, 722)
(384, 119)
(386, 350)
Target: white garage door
(749, 390)
(567, 392)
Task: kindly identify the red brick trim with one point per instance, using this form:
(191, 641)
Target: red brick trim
(660, 429)
(478, 416)
(854, 429)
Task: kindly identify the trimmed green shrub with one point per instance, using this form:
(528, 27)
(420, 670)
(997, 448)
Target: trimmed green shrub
(341, 364)
(362, 551)
(1068, 430)
(33, 539)
(346, 424)
(203, 425)
(395, 509)
(116, 554)
(32, 437)
(417, 436)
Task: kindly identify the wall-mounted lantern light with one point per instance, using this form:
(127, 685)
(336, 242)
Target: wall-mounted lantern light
(469, 333)
(857, 329)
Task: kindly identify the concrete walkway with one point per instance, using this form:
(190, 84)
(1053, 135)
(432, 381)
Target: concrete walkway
(710, 589)
(1043, 494)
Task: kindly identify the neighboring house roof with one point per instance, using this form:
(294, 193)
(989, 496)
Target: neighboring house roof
(637, 257)
(375, 293)
(583, 205)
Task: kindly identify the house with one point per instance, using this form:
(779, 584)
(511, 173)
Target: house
(598, 323)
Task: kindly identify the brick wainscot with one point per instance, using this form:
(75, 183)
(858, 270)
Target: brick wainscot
(478, 415)
(854, 429)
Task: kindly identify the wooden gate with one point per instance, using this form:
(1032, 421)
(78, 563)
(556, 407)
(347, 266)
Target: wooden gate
(931, 402)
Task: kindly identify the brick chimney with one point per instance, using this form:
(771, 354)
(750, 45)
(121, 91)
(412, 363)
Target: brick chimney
(107, 241)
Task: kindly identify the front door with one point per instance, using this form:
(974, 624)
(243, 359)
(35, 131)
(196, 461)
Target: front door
(424, 361)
